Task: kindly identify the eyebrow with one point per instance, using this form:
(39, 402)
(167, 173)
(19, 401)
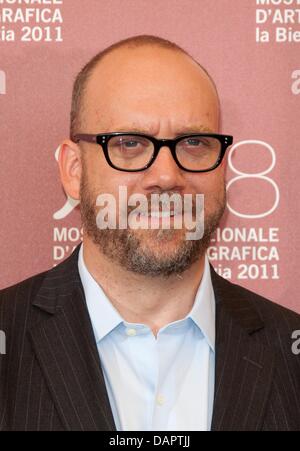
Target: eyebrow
(194, 129)
(182, 131)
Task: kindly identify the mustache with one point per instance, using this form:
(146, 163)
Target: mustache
(163, 203)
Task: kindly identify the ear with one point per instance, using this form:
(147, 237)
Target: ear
(70, 168)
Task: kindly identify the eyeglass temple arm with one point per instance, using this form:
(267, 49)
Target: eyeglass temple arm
(85, 137)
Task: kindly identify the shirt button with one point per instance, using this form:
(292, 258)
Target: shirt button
(131, 332)
(160, 400)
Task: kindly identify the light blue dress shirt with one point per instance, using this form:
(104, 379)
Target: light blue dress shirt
(156, 384)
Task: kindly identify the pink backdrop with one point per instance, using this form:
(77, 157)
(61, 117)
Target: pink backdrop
(259, 85)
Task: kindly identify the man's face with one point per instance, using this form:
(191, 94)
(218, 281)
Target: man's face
(164, 94)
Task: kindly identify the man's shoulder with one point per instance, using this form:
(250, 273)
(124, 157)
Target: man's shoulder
(264, 327)
(273, 315)
(22, 292)
(271, 312)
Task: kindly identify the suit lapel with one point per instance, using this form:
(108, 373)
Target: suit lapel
(244, 368)
(66, 350)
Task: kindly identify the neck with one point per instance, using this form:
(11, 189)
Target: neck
(141, 299)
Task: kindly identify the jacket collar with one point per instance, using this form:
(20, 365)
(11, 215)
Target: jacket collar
(244, 367)
(65, 348)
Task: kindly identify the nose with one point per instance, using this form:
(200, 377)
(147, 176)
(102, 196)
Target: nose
(164, 174)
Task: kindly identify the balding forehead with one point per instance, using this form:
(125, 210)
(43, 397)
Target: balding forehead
(128, 52)
(147, 54)
(144, 74)
(127, 46)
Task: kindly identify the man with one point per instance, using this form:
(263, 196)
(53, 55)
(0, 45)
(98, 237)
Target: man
(135, 330)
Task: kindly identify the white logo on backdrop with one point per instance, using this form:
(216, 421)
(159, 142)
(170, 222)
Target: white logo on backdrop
(71, 204)
(2, 343)
(259, 175)
(296, 344)
(296, 84)
(2, 82)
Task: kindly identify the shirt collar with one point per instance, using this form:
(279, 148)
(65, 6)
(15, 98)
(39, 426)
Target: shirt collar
(105, 317)
(203, 311)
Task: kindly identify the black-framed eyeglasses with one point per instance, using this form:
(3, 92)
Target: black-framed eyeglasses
(133, 152)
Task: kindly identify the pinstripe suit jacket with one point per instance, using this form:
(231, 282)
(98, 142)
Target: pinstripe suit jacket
(51, 377)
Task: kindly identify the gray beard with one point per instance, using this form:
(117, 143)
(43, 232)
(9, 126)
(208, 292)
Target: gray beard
(126, 247)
